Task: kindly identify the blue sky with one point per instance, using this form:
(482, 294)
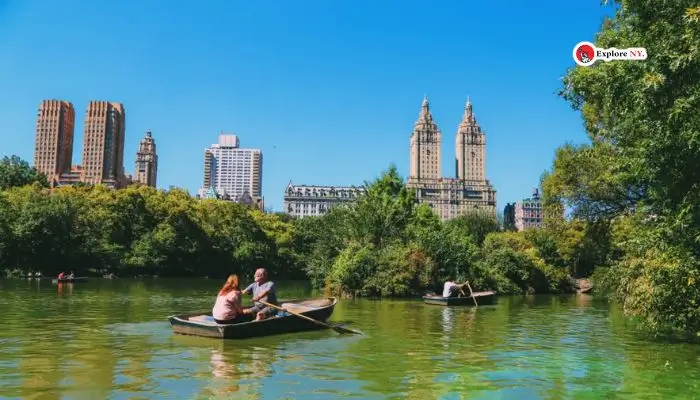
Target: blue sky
(329, 90)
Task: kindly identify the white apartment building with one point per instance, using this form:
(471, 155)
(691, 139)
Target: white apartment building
(312, 201)
(231, 171)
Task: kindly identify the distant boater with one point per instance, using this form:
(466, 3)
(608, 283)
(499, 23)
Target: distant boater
(453, 289)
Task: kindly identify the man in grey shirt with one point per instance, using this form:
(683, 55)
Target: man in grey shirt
(264, 290)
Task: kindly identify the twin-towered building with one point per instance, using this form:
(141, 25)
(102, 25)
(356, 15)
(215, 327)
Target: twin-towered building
(469, 190)
(103, 145)
(448, 197)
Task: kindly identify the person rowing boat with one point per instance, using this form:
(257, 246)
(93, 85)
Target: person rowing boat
(261, 289)
(453, 289)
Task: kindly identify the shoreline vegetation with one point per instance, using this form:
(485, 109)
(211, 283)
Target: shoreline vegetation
(631, 194)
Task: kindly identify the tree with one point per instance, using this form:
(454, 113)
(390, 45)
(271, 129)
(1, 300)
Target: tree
(15, 172)
(643, 162)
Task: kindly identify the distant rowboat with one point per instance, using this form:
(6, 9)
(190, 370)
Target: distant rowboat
(482, 298)
(69, 280)
(202, 324)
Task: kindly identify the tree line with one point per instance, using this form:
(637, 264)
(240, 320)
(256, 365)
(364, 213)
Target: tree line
(381, 245)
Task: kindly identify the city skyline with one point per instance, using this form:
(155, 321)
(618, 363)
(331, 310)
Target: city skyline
(314, 99)
(59, 116)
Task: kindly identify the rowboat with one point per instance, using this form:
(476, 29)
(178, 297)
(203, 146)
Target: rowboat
(482, 298)
(203, 324)
(65, 280)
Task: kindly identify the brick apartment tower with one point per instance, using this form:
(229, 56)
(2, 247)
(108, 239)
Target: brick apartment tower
(103, 146)
(146, 171)
(55, 126)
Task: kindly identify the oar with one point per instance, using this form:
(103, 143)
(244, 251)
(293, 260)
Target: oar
(336, 328)
(461, 292)
(472, 294)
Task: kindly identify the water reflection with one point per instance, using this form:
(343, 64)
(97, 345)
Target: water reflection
(64, 287)
(226, 375)
(447, 321)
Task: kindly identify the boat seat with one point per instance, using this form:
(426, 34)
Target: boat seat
(297, 308)
(207, 319)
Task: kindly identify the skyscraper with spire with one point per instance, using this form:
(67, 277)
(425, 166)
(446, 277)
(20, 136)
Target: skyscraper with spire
(146, 171)
(469, 190)
(426, 144)
(470, 147)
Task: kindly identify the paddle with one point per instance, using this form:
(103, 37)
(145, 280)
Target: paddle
(472, 294)
(336, 328)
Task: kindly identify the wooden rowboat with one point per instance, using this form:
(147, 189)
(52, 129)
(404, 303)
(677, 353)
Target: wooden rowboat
(202, 324)
(483, 298)
(76, 279)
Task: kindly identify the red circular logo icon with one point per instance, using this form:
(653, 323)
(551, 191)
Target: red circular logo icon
(584, 53)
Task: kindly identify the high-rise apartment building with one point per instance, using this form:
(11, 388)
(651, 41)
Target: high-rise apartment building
(146, 169)
(231, 171)
(103, 145)
(55, 126)
(469, 190)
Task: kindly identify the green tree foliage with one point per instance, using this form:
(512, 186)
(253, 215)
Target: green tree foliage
(139, 231)
(386, 245)
(15, 172)
(640, 172)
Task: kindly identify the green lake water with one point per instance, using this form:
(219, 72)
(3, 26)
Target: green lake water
(111, 340)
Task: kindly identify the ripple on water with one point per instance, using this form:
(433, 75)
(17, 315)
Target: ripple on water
(151, 328)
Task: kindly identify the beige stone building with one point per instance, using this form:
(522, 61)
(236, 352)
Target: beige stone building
(146, 168)
(313, 200)
(469, 190)
(55, 127)
(103, 145)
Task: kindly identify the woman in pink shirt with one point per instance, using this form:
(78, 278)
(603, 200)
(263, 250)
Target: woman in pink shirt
(228, 308)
